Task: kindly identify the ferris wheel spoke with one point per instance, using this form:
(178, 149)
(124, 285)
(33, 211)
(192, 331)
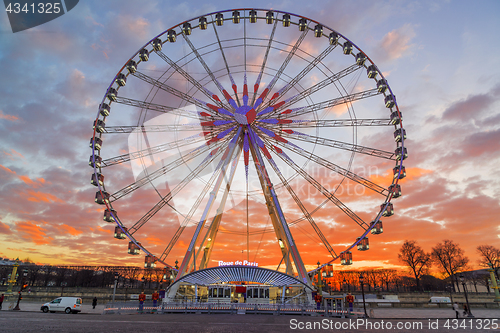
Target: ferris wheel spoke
(285, 63)
(157, 149)
(233, 84)
(335, 168)
(304, 72)
(304, 210)
(289, 113)
(223, 91)
(289, 123)
(158, 107)
(189, 216)
(279, 222)
(177, 93)
(212, 231)
(264, 61)
(216, 180)
(338, 144)
(167, 198)
(223, 124)
(346, 210)
(161, 171)
(188, 77)
(274, 109)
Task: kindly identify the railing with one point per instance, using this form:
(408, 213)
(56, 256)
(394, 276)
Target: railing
(231, 308)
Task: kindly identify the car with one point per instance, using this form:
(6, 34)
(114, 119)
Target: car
(64, 304)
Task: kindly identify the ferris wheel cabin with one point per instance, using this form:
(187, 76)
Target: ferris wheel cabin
(108, 215)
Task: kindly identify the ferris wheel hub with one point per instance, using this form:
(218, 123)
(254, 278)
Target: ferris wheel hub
(245, 115)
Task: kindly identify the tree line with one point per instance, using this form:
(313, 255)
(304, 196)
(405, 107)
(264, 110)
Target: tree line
(450, 260)
(86, 276)
(447, 256)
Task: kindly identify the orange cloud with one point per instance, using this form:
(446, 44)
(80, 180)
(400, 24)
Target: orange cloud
(27, 180)
(32, 232)
(4, 228)
(101, 229)
(397, 42)
(411, 174)
(155, 241)
(70, 230)
(41, 196)
(8, 116)
(7, 169)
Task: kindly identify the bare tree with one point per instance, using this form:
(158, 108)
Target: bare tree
(387, 276)
(489, 255)
(416, 259)
(450, 257)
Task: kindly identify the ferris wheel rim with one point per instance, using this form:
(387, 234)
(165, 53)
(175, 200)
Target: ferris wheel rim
(101, 189)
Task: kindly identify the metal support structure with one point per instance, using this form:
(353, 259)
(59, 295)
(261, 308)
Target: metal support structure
(494, 283)
(13, 277)
(214, 226)
(189, 253)
(269, 192)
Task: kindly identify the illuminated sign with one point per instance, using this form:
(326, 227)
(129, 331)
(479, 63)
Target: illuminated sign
(240, 263)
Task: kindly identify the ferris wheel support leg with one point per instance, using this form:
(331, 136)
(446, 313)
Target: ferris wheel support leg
(214, 226)
(269, 191)
(189, 253)
(280, 234)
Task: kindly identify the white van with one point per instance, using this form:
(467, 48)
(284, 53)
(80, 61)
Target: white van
(66, 304)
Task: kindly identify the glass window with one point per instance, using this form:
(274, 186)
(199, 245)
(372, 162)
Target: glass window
(227, 292)
(56, 301)
(221, 292)
(266, 295)
(249, 292)
(78, 301)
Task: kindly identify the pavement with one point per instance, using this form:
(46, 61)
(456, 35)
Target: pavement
(377, 313)
(26, 321)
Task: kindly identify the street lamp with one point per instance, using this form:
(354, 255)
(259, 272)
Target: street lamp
(19, 297)
(344, 285)
(361, 280)
(469, 314)
(319, 285)
(143, 279)
(114, 288)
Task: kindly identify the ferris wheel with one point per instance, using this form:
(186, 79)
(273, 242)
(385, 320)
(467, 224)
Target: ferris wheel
(248, 136)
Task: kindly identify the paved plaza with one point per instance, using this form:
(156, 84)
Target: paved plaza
(31, 319)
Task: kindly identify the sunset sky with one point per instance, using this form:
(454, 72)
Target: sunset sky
(441, 59)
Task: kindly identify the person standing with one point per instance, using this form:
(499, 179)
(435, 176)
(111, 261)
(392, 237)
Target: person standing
(1, 301)
(318, 299)
(142, 298)
(455, 307)
(349, 299)
(155, 296)
(466, 310)
(94, 302)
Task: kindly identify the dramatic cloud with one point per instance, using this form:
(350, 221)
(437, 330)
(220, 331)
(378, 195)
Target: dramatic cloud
(472, 107)
(56, 75)
(7, 116)
(396, 43)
